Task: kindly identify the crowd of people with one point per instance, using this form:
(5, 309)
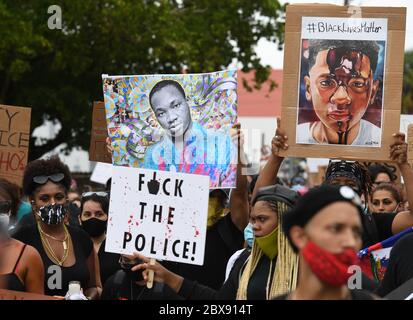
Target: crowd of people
(264, 240)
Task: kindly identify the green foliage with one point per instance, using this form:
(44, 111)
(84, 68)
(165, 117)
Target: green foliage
(58, 72)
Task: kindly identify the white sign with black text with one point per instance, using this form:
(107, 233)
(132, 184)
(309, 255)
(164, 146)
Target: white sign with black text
(160, 214)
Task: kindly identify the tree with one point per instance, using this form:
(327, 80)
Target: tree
(58, 72)
(407, 99)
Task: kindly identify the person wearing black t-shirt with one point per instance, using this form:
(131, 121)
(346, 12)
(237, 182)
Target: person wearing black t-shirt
(400, 267)
(94, 207)
(128, 285)
(67, 252)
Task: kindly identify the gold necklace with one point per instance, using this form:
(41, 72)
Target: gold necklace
(48, 248)
(56, 239)
(51, 254)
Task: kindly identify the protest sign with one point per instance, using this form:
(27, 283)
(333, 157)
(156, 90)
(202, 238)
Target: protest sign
(410, 143)
(18, 295)
(14, 142)
(317, 178)
(348, 71)
(174, 123)
(97, 149)
(161, 214)
(101, 173)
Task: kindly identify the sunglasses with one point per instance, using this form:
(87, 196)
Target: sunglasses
(56, 177)
(102, 194)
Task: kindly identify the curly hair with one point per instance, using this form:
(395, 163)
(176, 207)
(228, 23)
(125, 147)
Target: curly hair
(45, 167)
(11, 191)
(376, 169)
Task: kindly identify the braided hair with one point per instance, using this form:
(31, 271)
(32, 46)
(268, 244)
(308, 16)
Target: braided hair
(279, 200)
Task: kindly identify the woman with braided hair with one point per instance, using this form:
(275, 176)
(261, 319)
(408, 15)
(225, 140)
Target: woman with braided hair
(282, 277)
(269, 269)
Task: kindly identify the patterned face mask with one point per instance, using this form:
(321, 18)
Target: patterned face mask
(52, 214)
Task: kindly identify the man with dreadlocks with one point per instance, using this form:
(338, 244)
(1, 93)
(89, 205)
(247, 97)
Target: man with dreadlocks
(269, 269)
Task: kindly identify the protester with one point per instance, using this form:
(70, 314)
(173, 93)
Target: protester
(74, 197)
(225, 235)
(223, 238)
(265, 271)
(93, 219)
(386, 197)
(355, 175)
(126, 284)
(325, 229)
(22, 267)
(380, 173)
(298, 184)
(9, 202)
(64, 249)
(25, 209)
(269, 174)
(400, 266)
(71, 218)
(249, 239)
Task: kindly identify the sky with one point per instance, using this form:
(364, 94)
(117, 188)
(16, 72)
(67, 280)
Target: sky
(269, 54)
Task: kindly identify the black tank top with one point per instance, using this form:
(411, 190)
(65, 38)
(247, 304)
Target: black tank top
(57, 278)
(11, 280)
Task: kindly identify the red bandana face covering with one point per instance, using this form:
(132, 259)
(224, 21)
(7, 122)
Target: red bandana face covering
(328, 267)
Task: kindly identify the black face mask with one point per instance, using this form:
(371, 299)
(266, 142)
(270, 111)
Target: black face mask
(52, 214)
(94, 227)
(132, 275)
